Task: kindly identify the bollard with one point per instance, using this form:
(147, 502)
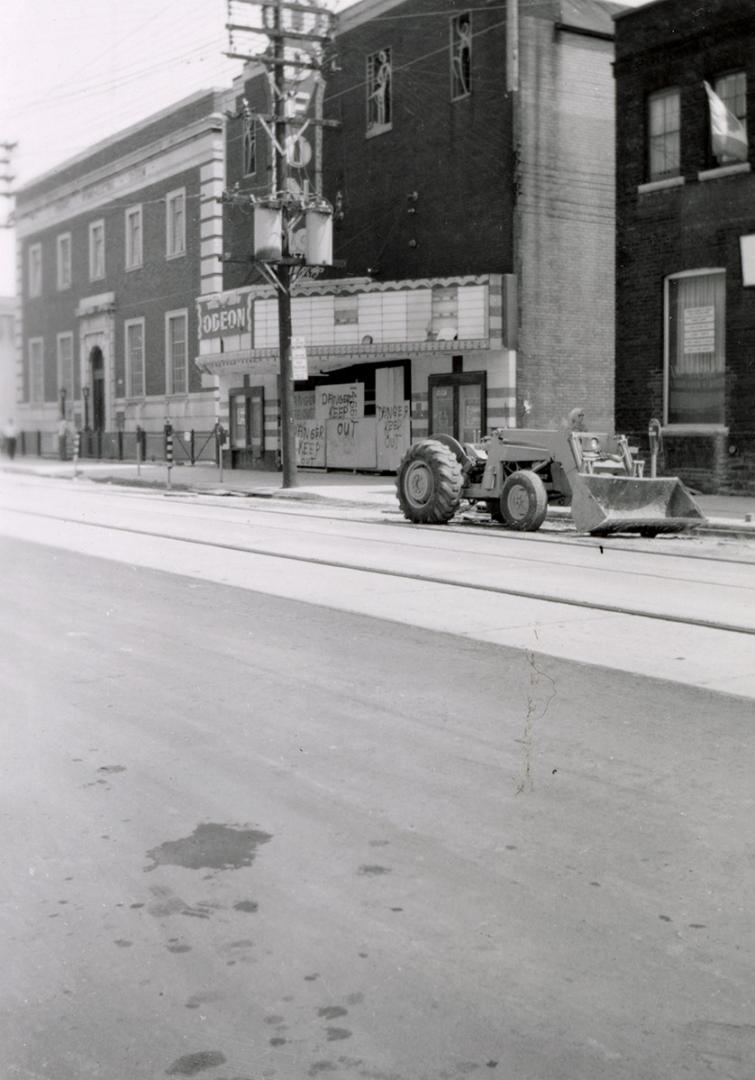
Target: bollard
(169, 449)
(220, 439)
(655, 440)
(138, 450)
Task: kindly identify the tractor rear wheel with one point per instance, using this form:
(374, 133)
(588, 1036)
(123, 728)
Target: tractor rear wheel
(524, 501)
(429, 483)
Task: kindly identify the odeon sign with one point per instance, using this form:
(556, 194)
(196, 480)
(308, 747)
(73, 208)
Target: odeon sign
(224, 314)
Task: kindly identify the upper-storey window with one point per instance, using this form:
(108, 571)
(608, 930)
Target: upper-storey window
(64, 261)
(461, 55)
(96, 250)
(175, 223)
(663, 135)
(379, 92)
(133, 237)
(35, 270)
(729, 133)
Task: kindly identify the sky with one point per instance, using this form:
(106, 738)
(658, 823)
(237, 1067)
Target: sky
(73, 72)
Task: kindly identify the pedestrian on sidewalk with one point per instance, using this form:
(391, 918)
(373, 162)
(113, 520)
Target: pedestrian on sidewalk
(63, 429)
(10, 434)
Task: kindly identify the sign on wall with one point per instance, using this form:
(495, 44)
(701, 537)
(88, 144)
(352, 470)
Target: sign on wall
(699, 326)
(310, 444)
(340, 402)
(224, 314)
(393, 435)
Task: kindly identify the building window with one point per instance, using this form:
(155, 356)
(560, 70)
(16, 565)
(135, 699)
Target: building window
(64, 261)
(379, 92)
(133, 237)
(249, 143)
(65, 365)
(663, 135)
(36, 370)
(176, 352)
(134, 331)
(696, 348)
(732, 90)
(175, 223)
(461, 56)
(96, 250)
(35, 270)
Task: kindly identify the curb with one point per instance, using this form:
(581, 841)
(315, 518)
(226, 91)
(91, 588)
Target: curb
(712, 527)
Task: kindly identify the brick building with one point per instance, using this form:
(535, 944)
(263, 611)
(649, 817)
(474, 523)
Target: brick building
(472, 176)
(685, 325)
(113, 247)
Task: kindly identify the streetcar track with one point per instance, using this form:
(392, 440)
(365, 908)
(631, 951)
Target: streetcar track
(491, 554)
(524, 594)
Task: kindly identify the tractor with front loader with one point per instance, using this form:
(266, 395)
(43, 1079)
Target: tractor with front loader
(516, 473)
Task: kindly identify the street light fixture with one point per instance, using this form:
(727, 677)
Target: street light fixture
(85, 392)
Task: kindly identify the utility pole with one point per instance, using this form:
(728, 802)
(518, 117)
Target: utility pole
(298, 33)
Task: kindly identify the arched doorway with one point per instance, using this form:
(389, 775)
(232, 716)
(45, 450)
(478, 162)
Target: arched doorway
(97, 382)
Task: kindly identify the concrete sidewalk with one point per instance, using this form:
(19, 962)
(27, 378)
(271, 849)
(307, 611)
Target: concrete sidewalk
(725, 513)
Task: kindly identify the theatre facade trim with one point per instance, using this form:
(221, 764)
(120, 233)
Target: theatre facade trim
(386, 363)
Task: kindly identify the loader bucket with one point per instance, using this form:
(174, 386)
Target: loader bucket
(611, 504)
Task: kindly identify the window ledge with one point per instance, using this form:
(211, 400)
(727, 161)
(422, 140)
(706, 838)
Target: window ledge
(724, 170)
(695, 429)
(660, 185)
(377, 129)
(176, 255)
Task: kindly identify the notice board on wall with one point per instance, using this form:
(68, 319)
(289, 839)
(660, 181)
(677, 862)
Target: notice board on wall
(344, 401)
(351, 444)
(310, 444)
(393, 435)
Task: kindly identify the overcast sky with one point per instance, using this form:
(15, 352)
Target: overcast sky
(75, 71)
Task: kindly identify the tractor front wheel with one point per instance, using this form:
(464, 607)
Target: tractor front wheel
(524, 501)
(429, 483)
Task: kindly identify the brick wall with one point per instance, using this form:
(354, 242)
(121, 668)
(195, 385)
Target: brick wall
(691, 226)
(566, 226)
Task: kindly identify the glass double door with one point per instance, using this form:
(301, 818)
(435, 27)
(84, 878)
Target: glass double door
(457, 406)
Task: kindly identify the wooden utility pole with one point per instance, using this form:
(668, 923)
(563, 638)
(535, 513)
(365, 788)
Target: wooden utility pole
(294, 49)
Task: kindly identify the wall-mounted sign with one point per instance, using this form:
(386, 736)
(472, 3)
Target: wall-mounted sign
(224, 314)
(299, 359)
(699, 325)
(340, 402)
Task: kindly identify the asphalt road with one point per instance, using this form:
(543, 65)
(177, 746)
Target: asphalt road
(249, 837)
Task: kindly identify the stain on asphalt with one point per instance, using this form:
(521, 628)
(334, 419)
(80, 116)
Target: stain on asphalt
(318, 1067)
(330, 1012)
(355, 999)
(175, 945)
(665, 918)
(246, 905)
(123, 943)
(111, 768)
(274, 1019)
(373, 871)
(335, 1034)
(190, 1064)
(311, 978)
(277, 1041)
(211, 846)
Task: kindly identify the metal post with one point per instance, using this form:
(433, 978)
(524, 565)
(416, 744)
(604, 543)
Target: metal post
(191, 446)
(138, 450)
(219, 441)
(76, 451)
(169, 449)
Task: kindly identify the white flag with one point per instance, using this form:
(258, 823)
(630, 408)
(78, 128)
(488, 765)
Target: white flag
(728, 134)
